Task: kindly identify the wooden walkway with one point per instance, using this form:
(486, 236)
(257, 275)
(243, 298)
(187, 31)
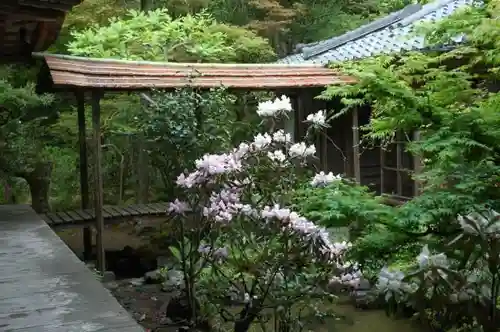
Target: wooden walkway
(110, 213)
(44, 287)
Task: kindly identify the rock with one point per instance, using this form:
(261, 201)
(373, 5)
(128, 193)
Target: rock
(108, 276)
(111, 285)
(179, 312)
(136, 281)
(178, 309)
(174, 280)
(364, 284)
(153, 277)
(130, 262)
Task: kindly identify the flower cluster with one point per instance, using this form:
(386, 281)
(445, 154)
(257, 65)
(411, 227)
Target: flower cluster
(225, 201)
(317, 119)
(350, 272)
(178, 207)
(216, 253)
(225, 205)
(273, 108)
(425, 259)
(321, 179)
(474, 223)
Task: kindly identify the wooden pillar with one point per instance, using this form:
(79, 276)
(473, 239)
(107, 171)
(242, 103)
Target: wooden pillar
(417, 165)
(355, 146)
(142, 171)
(382, 168)
(300, 115)
(84, 174)
(399, 164)
(96, 125)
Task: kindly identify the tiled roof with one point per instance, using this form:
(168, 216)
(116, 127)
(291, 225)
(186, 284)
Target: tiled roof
(393, 33)
(113, 74)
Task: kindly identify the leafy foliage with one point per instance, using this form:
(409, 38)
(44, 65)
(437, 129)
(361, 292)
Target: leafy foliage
(156, 36)
(340, 204)
(446, 98)
(185, 124)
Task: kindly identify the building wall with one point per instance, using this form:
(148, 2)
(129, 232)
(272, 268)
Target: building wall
(380, 168)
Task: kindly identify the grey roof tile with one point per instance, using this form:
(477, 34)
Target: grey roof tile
(391, 34)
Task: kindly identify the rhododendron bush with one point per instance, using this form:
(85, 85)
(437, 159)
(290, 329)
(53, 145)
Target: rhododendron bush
(241, 241)
(453, 284)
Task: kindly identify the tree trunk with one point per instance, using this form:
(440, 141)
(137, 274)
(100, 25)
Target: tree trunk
(39, 183)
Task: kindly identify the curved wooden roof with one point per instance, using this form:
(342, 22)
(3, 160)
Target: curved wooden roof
(30, 25)
(112, 74)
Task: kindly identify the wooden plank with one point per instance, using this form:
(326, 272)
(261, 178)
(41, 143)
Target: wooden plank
(152, 209)
(130, 211)
(84, 215)
(90, 212)
(111, 212)
(163, 207)
(124, 212)
(119, 212)
(142, 209)
(54, 218)
(134, 210)
(105, 213)
(76, 218)
(66, 219)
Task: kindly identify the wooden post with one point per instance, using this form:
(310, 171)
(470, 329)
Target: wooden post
(355, 146)
(142, 171)
(399, 164)
(417, 166)
(382, 169)
(84, 174)
(96, 124)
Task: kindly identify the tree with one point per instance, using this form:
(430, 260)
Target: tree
(156, 36)
(25, 117)
(451, 99)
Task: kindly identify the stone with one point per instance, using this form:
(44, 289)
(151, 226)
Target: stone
(108, 276)
(178, 309)
(153, 277)
(111, 285)
(364, 284)
(136, 281)
(174, 280)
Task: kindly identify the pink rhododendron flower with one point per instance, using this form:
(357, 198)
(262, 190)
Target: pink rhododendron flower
(178, 207)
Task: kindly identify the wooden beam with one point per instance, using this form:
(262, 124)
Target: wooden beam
(355, 146)
(84, 176)
(98, 196)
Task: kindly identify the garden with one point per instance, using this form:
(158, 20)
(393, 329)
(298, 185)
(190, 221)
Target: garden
(256, 236)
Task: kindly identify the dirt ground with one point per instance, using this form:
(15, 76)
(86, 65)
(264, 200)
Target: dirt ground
(146, 303)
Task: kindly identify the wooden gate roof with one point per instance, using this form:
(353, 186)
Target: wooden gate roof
(112, 74)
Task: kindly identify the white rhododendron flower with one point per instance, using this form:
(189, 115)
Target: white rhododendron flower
(273, 108)
(301, 150)
(322, 179)
(317, 119)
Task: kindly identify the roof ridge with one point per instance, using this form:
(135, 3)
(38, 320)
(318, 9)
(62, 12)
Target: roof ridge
(426, 10)
(381, 23)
